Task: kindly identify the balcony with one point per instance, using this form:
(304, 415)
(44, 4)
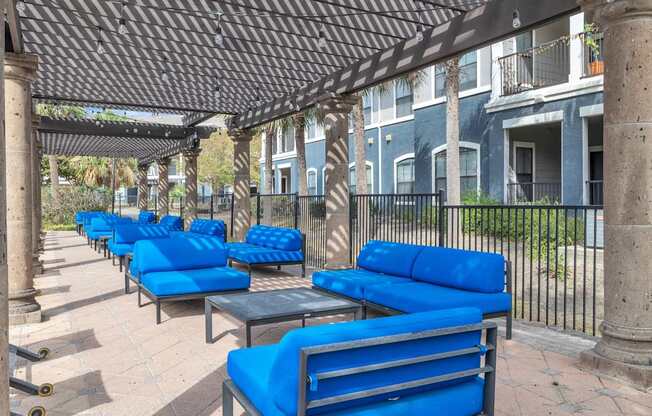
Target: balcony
(529, 192)
(593, 54)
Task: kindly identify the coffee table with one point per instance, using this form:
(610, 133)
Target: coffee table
(273, 306)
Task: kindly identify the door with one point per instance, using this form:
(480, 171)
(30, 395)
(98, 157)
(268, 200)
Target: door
(524, 169)
(284, 184)
(596, 177)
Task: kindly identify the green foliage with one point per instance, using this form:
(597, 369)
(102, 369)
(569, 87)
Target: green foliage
(58, 227)
(60, 111)
(73, 199)
(177, 191)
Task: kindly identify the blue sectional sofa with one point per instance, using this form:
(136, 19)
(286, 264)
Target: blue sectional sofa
(183, 268)
(404, 278)
(425, 363)
(125, 236)
(102, 226)
(204, 228)
(172, 222)
(147, 217)
(269, 246)
(83, 219)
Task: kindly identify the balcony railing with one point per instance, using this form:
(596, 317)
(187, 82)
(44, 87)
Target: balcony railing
(542, 66)
(593, 54)
(528, 192)
(595, 192)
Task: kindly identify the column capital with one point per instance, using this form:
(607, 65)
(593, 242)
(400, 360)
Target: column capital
(190, 153)
(163, 161)
(21, 66)
(143, 166)
(335, 103)
(604, 12)
(240, 135)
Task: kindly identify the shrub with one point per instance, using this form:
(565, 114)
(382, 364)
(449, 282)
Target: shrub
(72, 199)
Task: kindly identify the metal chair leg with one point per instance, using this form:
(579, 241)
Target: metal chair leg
(158, 312)
(227, 400)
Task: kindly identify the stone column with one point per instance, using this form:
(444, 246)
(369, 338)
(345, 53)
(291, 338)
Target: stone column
(241, 186)
(336, 127)
(20, 71)
(163, 187)
(625, 349)
(190, 169)
(36, 201)
(143, 195)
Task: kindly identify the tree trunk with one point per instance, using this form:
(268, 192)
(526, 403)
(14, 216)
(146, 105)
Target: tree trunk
(453, 131)
(360, 148)
(300, 145)
(270, 134)
(54, 183)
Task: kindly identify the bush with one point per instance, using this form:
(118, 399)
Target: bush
(71, 200)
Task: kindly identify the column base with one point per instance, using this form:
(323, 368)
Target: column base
(23, 308)
(639, 376)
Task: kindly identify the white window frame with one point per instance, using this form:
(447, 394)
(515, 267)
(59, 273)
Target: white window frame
(367, 163)
(308, 172)
(468, 145)
(323, 180)
(396, 162)
(525, 145)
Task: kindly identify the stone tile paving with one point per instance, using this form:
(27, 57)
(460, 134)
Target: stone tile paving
(110, 358)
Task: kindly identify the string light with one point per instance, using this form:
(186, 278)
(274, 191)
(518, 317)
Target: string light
(164, 74)
(516, 19)
(122, 26)
(258, 100)
(419, 34)
(219, 36)
(100, 42)
(218, 94)
(321, 40)
(21, 6)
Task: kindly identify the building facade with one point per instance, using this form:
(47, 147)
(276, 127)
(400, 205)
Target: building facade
(530, 125)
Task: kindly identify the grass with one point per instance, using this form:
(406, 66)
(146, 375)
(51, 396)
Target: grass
(59, 227)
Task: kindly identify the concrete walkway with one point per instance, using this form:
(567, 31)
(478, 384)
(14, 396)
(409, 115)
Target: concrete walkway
(110, 358)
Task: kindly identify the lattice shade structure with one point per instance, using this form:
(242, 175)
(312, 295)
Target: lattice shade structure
(103, 146)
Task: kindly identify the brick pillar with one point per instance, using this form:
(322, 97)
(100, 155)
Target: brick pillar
(190, 166)
(143, 195)
(336, 127)
(36, 200)
(20, 71)
(163, 187)
(242, 183)
(625, 349)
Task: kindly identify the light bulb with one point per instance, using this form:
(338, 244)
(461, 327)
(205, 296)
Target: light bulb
(165, 77)
(100, 47)
(321, 42)
(516, 19)
(122, 28)
(217, 94)
(219, 37)
(21, 6)
(419, 35)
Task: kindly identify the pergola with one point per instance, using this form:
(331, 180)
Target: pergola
(257, 61)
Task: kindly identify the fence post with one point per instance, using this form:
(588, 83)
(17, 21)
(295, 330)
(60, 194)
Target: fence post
(232, 212)
(440, 220)
(351, 209)
(181, 207)
(296, 210)
(257, 209)
(212, 205)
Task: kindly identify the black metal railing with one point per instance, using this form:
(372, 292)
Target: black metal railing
(278, 210)
(312, 223)
(595, 191)
(593, 54)
(545, 65)
(539, 192)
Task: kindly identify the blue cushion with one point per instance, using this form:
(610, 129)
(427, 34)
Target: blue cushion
(287, 239)
(461, 269)
(189, 234)
(184, 282)
(251, 254)
(250, 369)
(207, 227)
(95, 235)
(462, 399)
(99, 224)
(352, 283)
(390, 258)
(286, 364)
(172, 222)
(420, 297)
(120, 249)
(146, 217)
(174, 254)
(130, 233)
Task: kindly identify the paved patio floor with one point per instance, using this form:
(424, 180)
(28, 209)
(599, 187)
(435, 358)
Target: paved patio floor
(110, 358)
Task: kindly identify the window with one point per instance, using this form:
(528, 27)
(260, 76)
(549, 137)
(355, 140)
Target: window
(352, 179)
(274, 144)
(287, 140)
(311, 129)
(440, 80)
(312, 182)
(468, 170)
(172, 168)
(367, 108)
(405, 176)
(468, 74)
(404, 100)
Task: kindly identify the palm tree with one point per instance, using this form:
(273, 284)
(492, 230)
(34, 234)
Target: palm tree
(270, 135)
(54, 181)
(453, 131)
(97, 172)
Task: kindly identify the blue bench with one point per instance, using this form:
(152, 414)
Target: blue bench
(425, 363)
(146, 217)
(125, 236)
(172, 222)
(404, 278)
(83, 219)
(101, 226)
(176, 269)
(204, 228)
(269, 246)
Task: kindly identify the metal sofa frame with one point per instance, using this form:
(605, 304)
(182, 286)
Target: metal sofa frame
(231, 391)
(278, 264)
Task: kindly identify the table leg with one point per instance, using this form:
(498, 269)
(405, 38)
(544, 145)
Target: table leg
(208, 312)
(303, 323)
(248, 334)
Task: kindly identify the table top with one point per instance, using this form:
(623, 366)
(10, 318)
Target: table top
(251, 306)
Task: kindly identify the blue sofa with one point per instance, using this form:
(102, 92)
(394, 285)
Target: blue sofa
(405, 278)
(183, 268)
(125, 236)
(269, 246)
(172, 222)
(425, 363)
(204, 228)
(83, 219)
(146, 217)
(102, 226)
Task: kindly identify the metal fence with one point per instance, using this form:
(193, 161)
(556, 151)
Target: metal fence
(525, 192)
